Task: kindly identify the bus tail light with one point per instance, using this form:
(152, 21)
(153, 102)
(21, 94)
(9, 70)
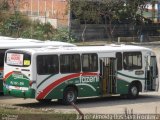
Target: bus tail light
(31, 82)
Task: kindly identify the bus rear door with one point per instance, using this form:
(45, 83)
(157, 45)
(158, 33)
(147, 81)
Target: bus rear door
(108, 73)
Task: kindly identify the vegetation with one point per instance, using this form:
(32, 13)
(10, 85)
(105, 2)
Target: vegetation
(16, 24)
(22, 114)
(109, 13)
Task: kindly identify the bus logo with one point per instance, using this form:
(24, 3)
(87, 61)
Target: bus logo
(89, 79)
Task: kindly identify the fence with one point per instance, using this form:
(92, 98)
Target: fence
(99, 31)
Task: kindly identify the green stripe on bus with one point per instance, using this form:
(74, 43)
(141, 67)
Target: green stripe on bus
(130, 76)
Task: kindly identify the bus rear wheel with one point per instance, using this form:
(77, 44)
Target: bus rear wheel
(69, 95)
(133, 91)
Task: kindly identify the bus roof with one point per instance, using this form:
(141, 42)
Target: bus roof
(6, 38)
(86, 49)
(8, 43)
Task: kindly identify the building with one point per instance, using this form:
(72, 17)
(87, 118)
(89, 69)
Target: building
(53, 11)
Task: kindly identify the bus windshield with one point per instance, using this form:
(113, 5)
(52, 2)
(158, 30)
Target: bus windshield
(18, 59)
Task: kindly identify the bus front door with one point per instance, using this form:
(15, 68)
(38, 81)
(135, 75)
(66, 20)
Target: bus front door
(152, 75)
(108, 68)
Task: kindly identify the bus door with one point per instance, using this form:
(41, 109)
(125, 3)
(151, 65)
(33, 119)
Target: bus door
(108, 75)
(152, 75)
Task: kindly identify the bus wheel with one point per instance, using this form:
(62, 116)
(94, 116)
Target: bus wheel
(133, 91)
(69, 95)
(44, 100)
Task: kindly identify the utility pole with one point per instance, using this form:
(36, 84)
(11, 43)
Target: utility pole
(38, 8)
(31, 7)
(45, 9)
(153, 10)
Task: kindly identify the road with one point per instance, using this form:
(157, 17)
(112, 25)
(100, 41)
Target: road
(146, 103)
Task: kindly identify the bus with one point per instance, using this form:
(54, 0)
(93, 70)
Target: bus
(68, 73)
(8, 43)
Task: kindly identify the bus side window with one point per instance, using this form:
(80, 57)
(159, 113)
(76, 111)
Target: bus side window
(47, 64)
(119, 60)
(70, 63)
(89, 62)
(75, 61)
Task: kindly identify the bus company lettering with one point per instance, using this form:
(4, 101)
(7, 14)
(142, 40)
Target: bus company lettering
(88, 79)
(17, 76)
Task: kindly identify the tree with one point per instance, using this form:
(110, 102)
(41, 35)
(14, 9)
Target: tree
(104, 11)
(14, 23)
(84, 11)
(108, 12)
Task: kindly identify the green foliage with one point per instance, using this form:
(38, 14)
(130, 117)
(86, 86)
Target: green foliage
(108, 11)
(62, 34)
(4, 5)
(84, 10)
(15, 24)
(41, 31)
(18, 25)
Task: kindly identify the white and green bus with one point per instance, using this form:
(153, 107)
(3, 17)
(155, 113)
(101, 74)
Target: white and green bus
(10, 43)
(66, 73)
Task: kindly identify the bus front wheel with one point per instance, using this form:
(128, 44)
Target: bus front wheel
(69, 95)
(133, 91)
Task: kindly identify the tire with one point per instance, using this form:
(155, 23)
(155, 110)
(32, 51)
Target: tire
(133, 91)
(69, 95)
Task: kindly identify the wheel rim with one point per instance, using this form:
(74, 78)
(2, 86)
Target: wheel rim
(70, 96)
(134, 90)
